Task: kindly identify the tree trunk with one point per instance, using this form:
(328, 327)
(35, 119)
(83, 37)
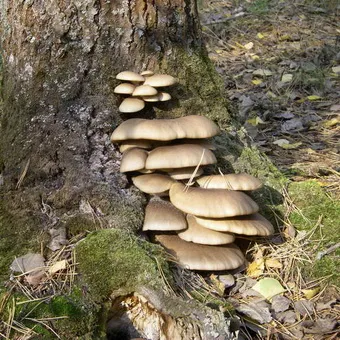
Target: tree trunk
(59, 60)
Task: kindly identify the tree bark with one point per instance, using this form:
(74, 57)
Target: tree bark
(59, 60)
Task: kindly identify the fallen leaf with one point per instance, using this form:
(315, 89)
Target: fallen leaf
(60, 265)
(286, 78)
(320, 326)
(331, 122)
(262, 72)
(258, 311)
(304, 307)
(268, 287)
(260, 35)
(228, 280)
(257, 81)
(291, 146)
(249, 46)
(335, 107)
(255, 121)
(255, 57)
(273, 263)
(280, 303)
(336, 69)
(310, 293)
(286, 317)
(256, 268)
(281, 142)
(314, 97)
(292, 124)
(28, 263)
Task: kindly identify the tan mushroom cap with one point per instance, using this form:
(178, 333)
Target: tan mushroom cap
(251, 225)
(243, 182)
(213, 203)
(133, 160)
(125, 88)
(185, 173)
(179, 156)
(198, 234)
(153, 183)
(202, 257)
(147, 73)
(160, 80)
(130, 76)
(144, 90)
(163, 216)
(165, 129)
(135, 143)
(160, 97)
(130, 105)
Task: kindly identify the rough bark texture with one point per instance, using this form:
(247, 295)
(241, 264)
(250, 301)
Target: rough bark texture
(59, 60)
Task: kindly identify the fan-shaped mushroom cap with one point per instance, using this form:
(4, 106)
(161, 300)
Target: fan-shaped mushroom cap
(144, 90)
(198, 234)
(214, 203)
(160, 80)
(163, 216)
(179, 156)
(135, 143)
(130, 105)
(251, 225)
(153, 183)
(165, 129)
(159, 97)
(133, 160)
(129, 76)
(125, 88)
(146, 73)
(184, 173)
(243, 182)
(202, 257)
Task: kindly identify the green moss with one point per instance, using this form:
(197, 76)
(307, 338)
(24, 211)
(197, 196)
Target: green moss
(71, 315)
(18, 235)
(80, 224)
(314, 204)
(114, 260)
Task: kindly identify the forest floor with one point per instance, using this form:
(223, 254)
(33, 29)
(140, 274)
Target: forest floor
(280, 62)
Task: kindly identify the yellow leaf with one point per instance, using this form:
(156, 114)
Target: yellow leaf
(257, 81)
(256, 268)
(273, 263)
(60, 265)
(268, 287)
(260, 35)
(218, 285)
(332, 122)
(219, 51)
(291, 146)
(249, 46)
(313, 97)
(310, 293)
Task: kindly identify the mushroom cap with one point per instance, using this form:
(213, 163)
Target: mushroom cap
(165, 129)
(184, 173)
(179, 156)
(147, 73)
(243, 182)
(160, 80)
(135, 143)
(153, 183)
(129, 76)
(124, 88)
(130, 105)
(214, 203)
(144, 90)
(251, 225)
(202, 257)
(159, 97)
(133, 160)
(198, 234)
(163, 216)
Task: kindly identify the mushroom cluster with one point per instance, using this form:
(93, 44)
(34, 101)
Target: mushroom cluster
(197, 223)
(142, 88)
